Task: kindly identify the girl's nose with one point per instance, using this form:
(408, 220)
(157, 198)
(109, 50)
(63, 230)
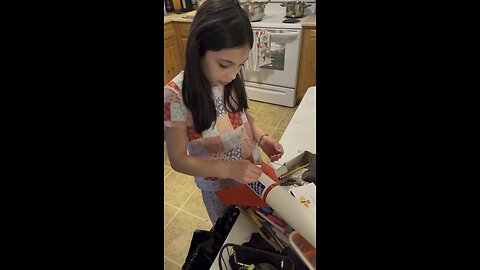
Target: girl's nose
(233, 75)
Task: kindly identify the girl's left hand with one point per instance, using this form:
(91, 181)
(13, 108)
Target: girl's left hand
(272, 148)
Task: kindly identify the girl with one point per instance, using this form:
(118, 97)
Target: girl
(205, 107)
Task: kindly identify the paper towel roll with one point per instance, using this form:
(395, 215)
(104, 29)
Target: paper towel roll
(289, 209)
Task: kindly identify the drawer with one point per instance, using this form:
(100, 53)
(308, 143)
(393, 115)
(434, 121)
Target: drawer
(168, 31)
(183, 29)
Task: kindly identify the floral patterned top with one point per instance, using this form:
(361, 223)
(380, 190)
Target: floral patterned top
(230, 139)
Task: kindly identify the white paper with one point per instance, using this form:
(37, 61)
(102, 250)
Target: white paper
(307, 195)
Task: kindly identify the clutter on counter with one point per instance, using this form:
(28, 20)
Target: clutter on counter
(290, 217)
(304, 250)
(296, 144)
(307, 195)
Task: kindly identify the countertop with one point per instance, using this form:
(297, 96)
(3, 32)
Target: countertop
(300, 133)
(298, 136)
(173, 17)
(310, 21)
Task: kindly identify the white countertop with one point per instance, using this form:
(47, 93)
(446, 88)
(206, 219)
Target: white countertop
(300, 132)
(311, 21)
(298, 136)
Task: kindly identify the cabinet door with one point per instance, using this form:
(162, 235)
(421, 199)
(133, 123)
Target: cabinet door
(184, 48)
(171, 64)
(307, 73)
(183, 30)
(171, 61)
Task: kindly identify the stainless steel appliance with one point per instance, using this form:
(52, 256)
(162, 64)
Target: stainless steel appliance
(295, 9)
(255, 10)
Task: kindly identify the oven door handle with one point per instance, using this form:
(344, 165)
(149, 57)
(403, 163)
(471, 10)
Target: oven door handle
(285, 35)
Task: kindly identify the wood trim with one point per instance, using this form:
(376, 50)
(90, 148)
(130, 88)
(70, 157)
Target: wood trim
(168, 31)
(181, 30)
(307, 65)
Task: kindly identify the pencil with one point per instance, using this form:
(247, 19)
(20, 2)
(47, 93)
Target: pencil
(265, 229)
(297, 169)
(258, 228)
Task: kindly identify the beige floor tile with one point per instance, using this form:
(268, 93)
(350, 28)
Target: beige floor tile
(287, 117)
(196, 206)
(177, 188)
(168, 265)
(255, 106)
(277, 134)
(179, 233)
(169, 211)
(274, 109)
(166, 170)
(265, 118)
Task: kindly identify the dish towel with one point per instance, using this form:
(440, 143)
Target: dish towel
(260, 53)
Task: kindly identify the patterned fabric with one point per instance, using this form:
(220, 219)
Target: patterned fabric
(260, 53)
(230, 139)
(215, 208)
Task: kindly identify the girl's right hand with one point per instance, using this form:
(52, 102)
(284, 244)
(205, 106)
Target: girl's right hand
(243, 171)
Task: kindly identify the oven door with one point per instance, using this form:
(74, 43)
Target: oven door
(285, 54)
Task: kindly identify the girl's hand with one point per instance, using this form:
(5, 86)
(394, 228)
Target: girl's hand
(243, 171)
(272, 148)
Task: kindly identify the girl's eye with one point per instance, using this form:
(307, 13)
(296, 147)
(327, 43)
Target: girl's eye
(222, 66)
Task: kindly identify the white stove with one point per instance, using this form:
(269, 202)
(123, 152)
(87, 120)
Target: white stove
(276, 82)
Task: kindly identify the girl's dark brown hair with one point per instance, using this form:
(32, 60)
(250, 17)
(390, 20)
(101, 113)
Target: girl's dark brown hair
(217, 25)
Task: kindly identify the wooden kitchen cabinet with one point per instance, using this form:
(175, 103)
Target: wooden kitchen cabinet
(182, 29)
(307, 73)
(175, 43)
(172, 64)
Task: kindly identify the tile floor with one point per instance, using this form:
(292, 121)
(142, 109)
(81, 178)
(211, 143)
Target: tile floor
(184, 211)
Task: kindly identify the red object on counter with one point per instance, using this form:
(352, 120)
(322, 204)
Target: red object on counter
(277, 220)
(274, 218)
(244, 195)
(304, 250)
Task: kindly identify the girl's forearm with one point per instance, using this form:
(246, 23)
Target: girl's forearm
(257, 131)
(200, 167)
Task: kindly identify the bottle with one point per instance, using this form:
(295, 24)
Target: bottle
(187, 5)
(177, 6)
(169, 5)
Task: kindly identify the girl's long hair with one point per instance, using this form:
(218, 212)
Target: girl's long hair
(217, 25)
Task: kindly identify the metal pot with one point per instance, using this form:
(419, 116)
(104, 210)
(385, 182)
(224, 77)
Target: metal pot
(255, 10)
(295, 9)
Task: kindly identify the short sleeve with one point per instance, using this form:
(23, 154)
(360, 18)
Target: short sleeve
(174, 110)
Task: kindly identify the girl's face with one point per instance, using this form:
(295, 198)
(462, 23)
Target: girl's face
(221, 67)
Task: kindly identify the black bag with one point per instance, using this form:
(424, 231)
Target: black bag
(240, 256)
(205, 245)
(257, 242)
